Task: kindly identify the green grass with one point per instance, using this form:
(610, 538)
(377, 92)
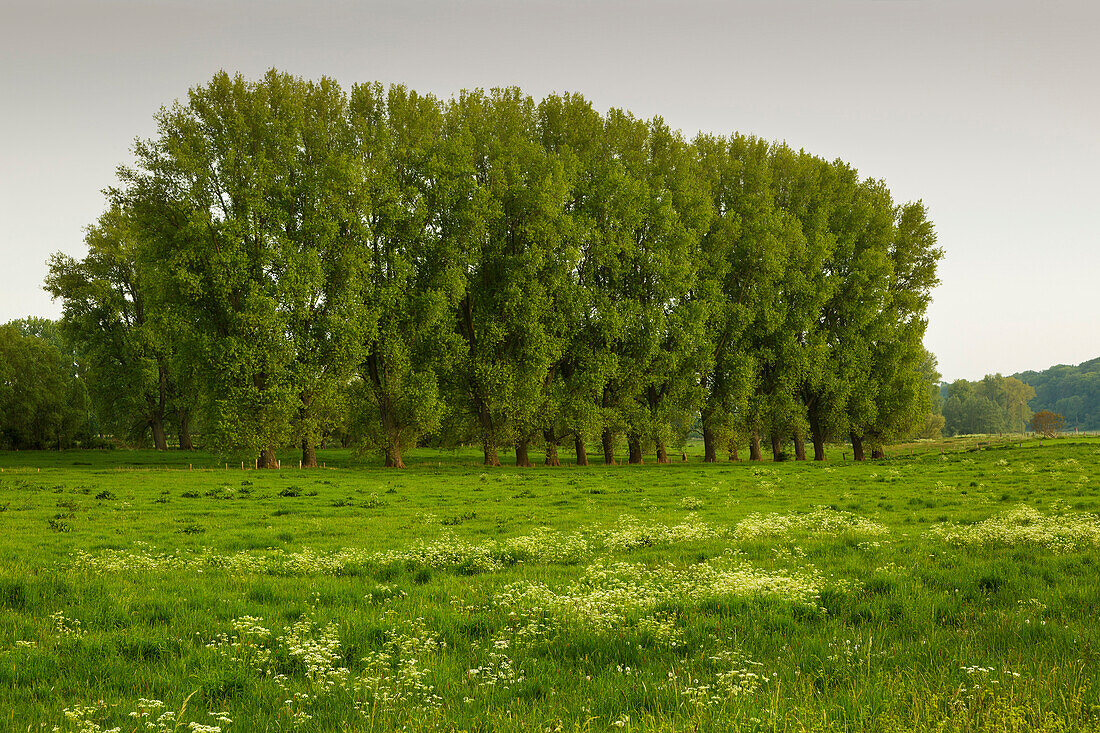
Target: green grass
(951, 592)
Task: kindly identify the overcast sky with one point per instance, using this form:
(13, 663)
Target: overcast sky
(988, 111)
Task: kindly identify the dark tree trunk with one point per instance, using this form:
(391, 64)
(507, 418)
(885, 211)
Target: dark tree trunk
(552, 455)
(817, 433)
(710, 447)
(522, 459)
(160, 442)
(551, 439)
(662, 454)
(582, 452)
(608, 441)
(490, 452)
(877, 453)
(309, 453)
(857, 446)
(777, 448)
(799, 446)
(391, 427)
(819, 446)
(393, 456)
(267, 459)
(754, 448)
(185, 431)
(733, 451)
(634, 445)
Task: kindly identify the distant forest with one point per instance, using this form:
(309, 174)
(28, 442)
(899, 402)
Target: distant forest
(998, 404)
(1071, 391)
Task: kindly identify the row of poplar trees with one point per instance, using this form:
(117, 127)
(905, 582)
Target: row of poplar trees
(285, 257)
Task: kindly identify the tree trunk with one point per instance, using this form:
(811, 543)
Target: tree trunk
(777, 448)
(552, 455)
(799, 446)
(267, 459)
(309, 454)
(710, 449)
(522, 459)
(608, 441)
(634, 444)
(391, 427)
(393, 456)
(490, 452)
(817, 433)
(551, 448)
(877, 453)
(819, 446)
(857, 446)
(733, 451)
(185, 431)
(662, 454)
(754, 448)
(160, 442)
(582, 451)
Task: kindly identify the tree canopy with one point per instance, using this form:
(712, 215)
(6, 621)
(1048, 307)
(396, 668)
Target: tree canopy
(302, 262)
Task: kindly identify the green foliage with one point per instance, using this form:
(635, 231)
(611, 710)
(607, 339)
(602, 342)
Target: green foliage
(242, 203)
(42, 403)
(996, 404)
(386, 267)
(505, 230)
(411, 283)
(1072, 391)
(119, 331)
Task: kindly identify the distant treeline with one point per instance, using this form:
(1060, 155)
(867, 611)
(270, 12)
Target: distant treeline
(1070, 391)
(997, 404)
(288, 263)
(994, 404)
(43, 400)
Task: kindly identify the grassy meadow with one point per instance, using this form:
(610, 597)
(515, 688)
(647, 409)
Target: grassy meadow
(927, 591)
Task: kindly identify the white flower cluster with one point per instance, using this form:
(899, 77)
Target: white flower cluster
(1026, 526)
(82, 719)
(246, 645)
(822, 522)
(66, 627)
(735, 675)
(398, 674)
(664, 627)
(541, 546)
(150, 715)
(318, 649)
(500, 671)
(629, 534)
(608, 593)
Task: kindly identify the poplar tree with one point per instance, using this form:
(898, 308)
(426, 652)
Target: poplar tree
(109, 314)
(242, 198)
(411, 283)
(510, 247)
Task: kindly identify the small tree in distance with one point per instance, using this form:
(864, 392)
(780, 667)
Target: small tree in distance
(1047, 423)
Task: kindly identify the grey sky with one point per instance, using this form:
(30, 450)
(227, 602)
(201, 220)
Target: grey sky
(988, 111)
